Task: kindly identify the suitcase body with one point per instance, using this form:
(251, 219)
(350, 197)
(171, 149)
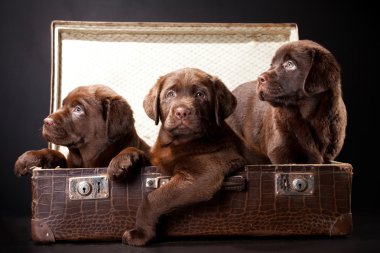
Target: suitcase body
(262, 200)
(83, 204)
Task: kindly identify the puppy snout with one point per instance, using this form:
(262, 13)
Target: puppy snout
(182, 112)
(262, 79)
(48, 121)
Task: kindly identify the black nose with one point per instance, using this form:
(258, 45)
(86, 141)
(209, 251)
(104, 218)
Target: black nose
(262, 78)
(182, 112)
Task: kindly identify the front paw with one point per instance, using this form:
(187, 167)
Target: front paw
(125, 164)
(44, 158)
(136, 237)
(26, 162)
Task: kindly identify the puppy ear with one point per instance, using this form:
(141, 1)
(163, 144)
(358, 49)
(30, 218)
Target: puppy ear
(224, 103)
(118, 116)
(324, 73)
(152, 101)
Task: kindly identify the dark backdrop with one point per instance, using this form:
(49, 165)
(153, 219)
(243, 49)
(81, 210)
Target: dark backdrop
(345, 29)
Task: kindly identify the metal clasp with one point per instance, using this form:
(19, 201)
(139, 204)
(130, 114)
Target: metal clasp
(91, 187)
(152, 183)
(294, 183)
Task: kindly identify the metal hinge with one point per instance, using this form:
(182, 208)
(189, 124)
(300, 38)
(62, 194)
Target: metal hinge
(232, 183)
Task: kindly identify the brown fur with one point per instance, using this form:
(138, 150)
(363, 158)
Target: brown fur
(294, 116)
(95, 124)
(195, 146)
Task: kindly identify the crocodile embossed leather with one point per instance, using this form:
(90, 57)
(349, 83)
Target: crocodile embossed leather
(254, 210)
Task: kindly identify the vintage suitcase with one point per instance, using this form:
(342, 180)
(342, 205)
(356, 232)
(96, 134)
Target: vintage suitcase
(83, 204)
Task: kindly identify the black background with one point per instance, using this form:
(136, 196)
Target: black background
(346, 29)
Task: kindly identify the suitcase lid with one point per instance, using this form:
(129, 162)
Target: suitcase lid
(130, 57)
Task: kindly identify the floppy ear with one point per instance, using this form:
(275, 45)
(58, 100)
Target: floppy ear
(152, 101)
(224, 103)
(324, 72)
(118, 116)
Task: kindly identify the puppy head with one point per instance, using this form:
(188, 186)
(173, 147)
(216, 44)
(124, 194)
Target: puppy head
(298, 70)
(89, 114)
(189, 101)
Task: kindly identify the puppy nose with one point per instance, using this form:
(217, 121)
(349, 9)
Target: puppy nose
(48, 122)
(182, 112)
(262, 78)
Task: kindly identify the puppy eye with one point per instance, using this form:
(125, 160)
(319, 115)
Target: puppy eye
(170, 93)
(289, 65)
(200, 94)
(77, 109)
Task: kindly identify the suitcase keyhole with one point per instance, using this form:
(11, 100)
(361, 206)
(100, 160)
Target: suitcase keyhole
(84, 188)
(299, 184)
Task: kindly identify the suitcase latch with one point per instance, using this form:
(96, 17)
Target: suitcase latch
(91, 187)
(152, 183)
(294, 183)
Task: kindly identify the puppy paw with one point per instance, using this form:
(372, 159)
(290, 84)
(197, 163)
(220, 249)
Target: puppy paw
(26, 162)
(136, 237)
(126, 164)
(44, 158)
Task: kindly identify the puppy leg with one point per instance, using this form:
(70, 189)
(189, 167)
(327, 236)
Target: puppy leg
(45, 158)
(287, 155)
(126, 163)
(179, 191)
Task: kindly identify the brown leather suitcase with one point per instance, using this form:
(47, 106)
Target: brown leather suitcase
(82, 204)
(277, 200)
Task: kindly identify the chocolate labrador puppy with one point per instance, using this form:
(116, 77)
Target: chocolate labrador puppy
(95, 124)
(294, 112)
(195, 146)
